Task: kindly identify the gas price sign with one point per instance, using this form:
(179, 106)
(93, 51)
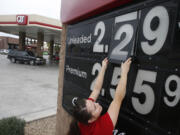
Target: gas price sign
(149, 32)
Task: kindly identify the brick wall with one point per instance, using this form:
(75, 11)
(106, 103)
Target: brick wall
(4, 41)
(13, 40)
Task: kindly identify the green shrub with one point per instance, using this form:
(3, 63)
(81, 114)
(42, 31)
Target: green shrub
(12, 126)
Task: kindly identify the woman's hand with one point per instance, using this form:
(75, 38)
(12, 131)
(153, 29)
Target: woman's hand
(125, 66)
(99, 81)
(105, 63)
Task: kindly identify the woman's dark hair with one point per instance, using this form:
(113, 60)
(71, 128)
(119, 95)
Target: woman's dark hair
(80, 114)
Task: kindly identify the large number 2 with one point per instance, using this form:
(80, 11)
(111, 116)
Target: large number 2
(160, 34)
(97, 46)
(140, 88)
(128, 30)
(96, 67)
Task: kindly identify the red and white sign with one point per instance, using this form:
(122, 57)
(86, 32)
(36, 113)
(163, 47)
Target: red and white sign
(76, 10)
(21, 19)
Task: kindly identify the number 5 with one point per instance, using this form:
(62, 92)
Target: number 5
(147, 106)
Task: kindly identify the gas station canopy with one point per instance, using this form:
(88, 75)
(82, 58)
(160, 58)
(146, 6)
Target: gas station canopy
(32, 25)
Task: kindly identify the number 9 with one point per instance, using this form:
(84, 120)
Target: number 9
(170, 93)
(160, 34)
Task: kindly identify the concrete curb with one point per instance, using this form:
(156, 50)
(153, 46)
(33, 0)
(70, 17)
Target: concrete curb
(38, 115)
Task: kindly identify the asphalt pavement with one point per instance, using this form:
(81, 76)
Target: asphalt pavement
(28, 92)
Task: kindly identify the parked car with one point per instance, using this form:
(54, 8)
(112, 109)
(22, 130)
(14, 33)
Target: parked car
(4, 51)
(25, 57)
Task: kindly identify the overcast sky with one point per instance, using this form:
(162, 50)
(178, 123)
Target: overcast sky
(48, 8)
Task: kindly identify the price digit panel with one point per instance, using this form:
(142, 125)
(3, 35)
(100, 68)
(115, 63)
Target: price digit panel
(123, 37)
(170, 102)
(149, 32)
(156, 33)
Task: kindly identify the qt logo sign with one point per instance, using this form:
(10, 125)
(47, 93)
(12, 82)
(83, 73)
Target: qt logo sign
(22, 19)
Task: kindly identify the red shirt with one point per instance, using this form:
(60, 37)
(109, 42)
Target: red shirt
(102, 126)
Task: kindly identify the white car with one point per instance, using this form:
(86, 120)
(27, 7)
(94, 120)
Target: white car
(4, 51)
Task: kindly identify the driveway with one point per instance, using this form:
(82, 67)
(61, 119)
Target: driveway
(28, 92)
